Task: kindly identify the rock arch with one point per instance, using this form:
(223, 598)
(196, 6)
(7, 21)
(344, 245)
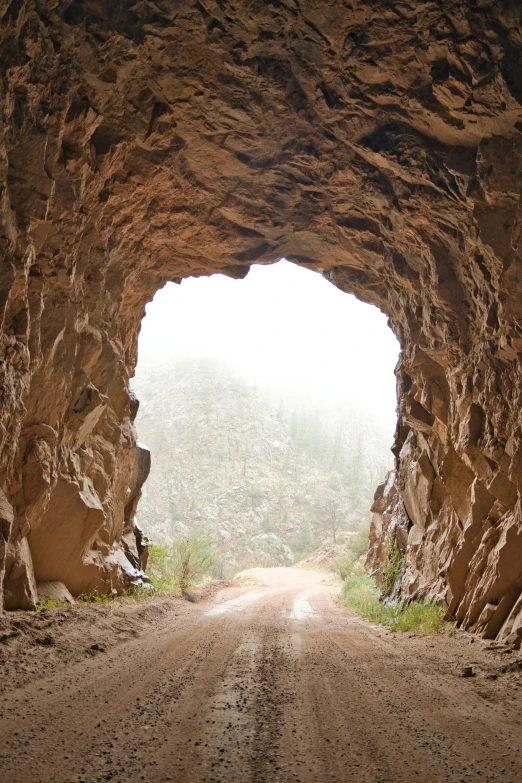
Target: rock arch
(378, 142)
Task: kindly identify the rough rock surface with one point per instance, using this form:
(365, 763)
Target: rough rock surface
(379, 142)
(384, 523)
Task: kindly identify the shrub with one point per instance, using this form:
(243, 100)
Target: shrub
(344, 564)
(422, 617)
(220, 568)
(160, 568)
(391, 567)
(193, 559)
(360, 541)
(356, 545)
(180, 564)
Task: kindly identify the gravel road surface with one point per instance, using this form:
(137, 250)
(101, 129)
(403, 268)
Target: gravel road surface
(272, 683)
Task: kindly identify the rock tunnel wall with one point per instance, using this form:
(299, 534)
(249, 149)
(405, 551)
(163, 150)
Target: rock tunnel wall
(377, 142)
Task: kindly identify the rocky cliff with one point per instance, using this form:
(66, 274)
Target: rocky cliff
(378, 142)
(267, 477)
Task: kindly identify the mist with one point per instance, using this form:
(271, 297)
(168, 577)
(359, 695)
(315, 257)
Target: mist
(284, 328)
(268, 405)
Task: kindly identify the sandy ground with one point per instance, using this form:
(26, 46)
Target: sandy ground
(267, 683)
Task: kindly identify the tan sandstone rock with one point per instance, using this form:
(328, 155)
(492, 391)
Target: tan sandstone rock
(54, 591)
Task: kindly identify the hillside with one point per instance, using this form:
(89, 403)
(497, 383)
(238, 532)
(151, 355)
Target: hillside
(269, 479)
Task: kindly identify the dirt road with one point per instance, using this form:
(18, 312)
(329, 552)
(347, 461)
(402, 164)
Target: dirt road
(270, 683)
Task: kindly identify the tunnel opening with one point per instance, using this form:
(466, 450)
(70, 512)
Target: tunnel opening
(269, 406)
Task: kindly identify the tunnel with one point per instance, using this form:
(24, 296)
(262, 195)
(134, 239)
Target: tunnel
(378, 143)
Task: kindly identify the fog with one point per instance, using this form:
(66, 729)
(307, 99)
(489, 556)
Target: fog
(284, 328)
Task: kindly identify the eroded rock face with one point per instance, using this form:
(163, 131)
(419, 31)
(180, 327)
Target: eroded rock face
(377, 142)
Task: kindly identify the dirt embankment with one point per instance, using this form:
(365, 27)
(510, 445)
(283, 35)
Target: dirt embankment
(272, 682)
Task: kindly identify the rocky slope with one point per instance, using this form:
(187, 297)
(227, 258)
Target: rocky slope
(267, 479)
(379, 142)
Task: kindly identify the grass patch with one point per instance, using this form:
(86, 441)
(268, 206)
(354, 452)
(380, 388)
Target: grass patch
(96, 598)
(420, 617)
(51, 603)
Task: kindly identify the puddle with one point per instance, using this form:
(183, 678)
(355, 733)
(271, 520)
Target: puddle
(301, 609)
(236, 604)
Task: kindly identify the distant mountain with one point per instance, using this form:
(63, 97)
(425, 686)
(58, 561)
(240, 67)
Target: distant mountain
(269, 479)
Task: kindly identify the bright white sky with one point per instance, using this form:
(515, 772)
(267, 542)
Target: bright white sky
(283, 327)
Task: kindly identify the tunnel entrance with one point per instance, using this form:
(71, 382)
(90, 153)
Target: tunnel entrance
(269, 407)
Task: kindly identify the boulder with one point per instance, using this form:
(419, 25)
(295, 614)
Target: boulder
(54, 591)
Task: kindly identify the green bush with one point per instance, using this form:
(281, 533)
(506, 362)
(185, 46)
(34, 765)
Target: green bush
(160, 568)
(360, 541)
(391, 567)
(193, 559)
(421, 617)
(356, 545)
(96, 598)
(180, 564)
(344, 564)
